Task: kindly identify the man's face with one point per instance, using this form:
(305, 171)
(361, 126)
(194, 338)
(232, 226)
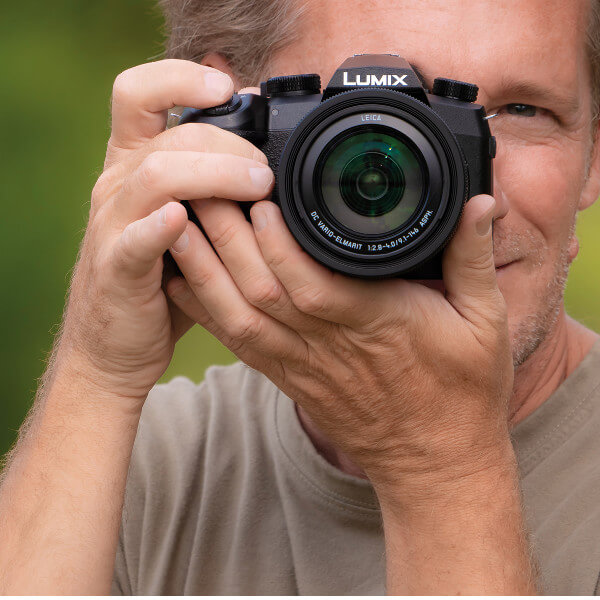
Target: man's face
(529, 61)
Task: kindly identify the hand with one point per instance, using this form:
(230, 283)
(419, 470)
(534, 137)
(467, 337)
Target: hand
(119, 328)
(412, 383)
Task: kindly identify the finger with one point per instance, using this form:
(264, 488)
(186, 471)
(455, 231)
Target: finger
(143, 242)
(182, 297)
(185, 175)
(181, 294)
(314, 289)
(468, 263)
(181, 323)
(194, 137)
(233, 238)
(199, 137)
(246, 326)
(250, 90)
(143, 95)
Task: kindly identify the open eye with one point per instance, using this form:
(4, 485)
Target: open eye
(522, 110)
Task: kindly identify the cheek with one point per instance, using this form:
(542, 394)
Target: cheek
(542, 184)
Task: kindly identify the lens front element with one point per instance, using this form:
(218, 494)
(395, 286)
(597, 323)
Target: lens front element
(370, 180)
(372, 184)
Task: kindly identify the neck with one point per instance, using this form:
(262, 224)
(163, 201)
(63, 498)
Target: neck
(553, 361)
(535, 381)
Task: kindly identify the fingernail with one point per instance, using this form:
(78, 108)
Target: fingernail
(219, 83)
(162, 215)
(259, 219)
(261, 177)
(182, 243)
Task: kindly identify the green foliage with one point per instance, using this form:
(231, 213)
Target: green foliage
(58, 62)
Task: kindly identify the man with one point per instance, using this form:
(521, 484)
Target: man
(376, 453)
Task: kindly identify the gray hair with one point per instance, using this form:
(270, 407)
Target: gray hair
(246, 32)
(249, 32)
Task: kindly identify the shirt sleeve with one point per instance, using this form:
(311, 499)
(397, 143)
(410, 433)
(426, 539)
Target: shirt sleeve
(121, 583)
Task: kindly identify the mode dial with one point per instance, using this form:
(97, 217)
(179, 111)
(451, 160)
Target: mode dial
(224, 109)
(458, 90)
(294, 85)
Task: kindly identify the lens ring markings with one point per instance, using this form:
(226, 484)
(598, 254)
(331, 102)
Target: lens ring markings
(364, 255)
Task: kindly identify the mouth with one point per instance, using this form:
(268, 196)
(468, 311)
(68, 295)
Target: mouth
(502, 266)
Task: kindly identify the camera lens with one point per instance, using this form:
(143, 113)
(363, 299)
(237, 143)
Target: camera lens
(370, 180)
(372, 184)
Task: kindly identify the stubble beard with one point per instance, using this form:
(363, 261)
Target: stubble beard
(534, 328)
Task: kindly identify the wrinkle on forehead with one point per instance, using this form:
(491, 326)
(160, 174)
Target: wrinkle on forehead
(463, 39)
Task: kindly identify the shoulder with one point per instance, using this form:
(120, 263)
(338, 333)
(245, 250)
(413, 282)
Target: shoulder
(195, 447)
(558, 448)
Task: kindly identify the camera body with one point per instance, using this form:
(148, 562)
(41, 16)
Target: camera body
(373, 173)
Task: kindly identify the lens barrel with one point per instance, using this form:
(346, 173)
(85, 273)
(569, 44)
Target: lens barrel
(372, 183)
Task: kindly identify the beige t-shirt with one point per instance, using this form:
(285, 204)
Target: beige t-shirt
(227, 495)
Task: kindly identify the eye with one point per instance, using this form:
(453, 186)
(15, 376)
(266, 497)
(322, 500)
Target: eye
(522, 110)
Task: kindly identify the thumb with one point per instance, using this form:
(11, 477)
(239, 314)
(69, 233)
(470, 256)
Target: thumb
(468, 263)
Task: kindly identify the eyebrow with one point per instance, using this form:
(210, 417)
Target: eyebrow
(523, 89)
(532, 91)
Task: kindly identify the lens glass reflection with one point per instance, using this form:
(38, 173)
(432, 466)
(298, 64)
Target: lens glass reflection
(371, 181)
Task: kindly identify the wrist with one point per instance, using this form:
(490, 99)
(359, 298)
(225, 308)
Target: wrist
(457, 483)
(459, 534)
(74, 394)
(73, 369)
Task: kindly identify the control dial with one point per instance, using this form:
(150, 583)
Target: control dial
(294, 85)
(224, 109)
(458, 90)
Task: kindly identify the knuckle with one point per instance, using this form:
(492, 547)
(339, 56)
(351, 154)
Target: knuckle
(196, 136)
(102, 189)
(276, 260)
(208, 132)
(119, 261)
(150, 174)
(245, 328)
(265, 292)
(203, 167)
(309, 299)
(124, 88)
(186, 136)
(96, 225)
(200, 278)
(223, 234)
(127, 240)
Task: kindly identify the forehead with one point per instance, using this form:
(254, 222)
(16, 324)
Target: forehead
(478, 40)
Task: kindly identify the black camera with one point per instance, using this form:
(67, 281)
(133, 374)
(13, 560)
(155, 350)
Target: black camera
(372, 174)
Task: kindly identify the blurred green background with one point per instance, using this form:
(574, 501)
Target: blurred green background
(58, 60)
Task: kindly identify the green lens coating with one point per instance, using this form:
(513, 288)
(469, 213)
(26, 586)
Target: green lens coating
(372, 184)
(371, 180)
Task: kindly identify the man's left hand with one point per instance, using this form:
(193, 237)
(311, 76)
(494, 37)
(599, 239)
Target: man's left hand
(412, 383)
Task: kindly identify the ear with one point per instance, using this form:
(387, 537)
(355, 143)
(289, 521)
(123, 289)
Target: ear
(219, 62)
(591, 190)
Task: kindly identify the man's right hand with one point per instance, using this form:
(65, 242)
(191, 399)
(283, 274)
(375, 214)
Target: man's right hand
(61, 495)
(119, 328)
